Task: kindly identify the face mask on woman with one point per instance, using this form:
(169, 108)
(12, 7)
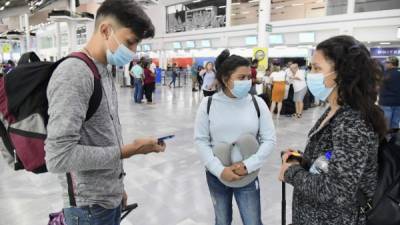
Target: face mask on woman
(315, 82)
(241, 88)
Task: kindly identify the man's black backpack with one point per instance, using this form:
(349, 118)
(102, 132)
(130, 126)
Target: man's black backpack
(384, 207)
(24, 106)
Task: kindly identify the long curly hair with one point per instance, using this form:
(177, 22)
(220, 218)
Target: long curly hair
(358, 78)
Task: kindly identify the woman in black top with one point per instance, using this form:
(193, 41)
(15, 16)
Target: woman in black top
(344, 74)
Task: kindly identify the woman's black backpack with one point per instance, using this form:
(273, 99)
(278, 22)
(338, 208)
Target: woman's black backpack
(384, 207)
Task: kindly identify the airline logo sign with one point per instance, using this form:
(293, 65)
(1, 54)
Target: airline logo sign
(262, 55)
(6, 48)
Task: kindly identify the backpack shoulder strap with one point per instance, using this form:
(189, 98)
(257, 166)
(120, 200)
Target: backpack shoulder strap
(256, 105)
(97, 95)
(209, 101)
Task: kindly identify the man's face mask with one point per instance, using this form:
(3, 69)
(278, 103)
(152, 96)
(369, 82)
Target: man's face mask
(121, 56)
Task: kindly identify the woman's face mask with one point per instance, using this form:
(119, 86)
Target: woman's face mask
(316, 84)
(321, 79)
(240, 83)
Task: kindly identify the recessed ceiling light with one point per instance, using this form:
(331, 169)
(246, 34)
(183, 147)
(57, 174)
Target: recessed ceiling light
(7, 3)
(298, 4)
(222, 6)
(384, 43)
(2, 8)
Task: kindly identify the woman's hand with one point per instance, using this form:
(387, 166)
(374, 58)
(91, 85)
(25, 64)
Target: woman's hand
(229, 175)
(285, 165)
(240, 169)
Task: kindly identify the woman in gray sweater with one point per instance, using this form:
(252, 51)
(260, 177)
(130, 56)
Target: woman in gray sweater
(344, 74)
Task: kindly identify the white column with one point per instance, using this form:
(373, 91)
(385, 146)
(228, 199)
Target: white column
(58, 39)
(22, 39)
(27, 33)
(72, 36)
(351, 6)
(264, 18)
(72, 28)
(72, 6)
(228, 13)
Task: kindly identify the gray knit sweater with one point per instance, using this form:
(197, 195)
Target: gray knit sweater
(330, 199)
(90, 150)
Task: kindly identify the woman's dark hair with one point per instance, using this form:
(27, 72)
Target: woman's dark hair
(226, 64)
(129, 14)
(358, 78)
(206, 67)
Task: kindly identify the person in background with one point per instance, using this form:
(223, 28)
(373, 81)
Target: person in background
(131, 77)
(209, 82)
(300, 88)
(254, 82)
(288, 72)
(389, 98)
(233, 114)
(153, 66)
(278, 78)
(9, 66)
(193, 73)
(138, 73)
(92, 151)
(347, 135)
(1, 70)
(149, 83)
(174, 73)
(199, 77)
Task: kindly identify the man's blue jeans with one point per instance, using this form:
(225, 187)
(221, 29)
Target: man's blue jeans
(392, 115)
(138, 92)
(92, 215)
(247, 199)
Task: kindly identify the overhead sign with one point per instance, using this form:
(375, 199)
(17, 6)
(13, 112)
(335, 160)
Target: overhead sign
(268, 28)
(6, 48)
(261, 54)
(385, 52)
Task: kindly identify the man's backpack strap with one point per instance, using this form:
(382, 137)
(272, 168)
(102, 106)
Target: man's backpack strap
(95, 99)
(94, 104)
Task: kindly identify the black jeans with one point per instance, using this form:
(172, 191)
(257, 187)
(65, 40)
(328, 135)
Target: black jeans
(148, 91)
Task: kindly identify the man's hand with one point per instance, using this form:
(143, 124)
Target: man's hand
(240, 169)
(142, 146)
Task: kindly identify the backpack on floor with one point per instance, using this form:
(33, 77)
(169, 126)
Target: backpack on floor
(384, 207)
(24, 106)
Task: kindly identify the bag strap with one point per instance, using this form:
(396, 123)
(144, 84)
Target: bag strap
(256, 105)
(96, 97)
(209, 101)
(71, 196)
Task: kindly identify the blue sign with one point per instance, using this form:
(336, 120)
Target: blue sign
(385, 52)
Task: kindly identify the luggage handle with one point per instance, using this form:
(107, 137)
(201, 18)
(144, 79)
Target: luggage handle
(128, 209)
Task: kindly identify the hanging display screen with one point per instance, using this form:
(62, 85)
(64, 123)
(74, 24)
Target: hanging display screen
(195, 15)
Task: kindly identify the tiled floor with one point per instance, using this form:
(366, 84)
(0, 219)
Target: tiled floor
(170, 188)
